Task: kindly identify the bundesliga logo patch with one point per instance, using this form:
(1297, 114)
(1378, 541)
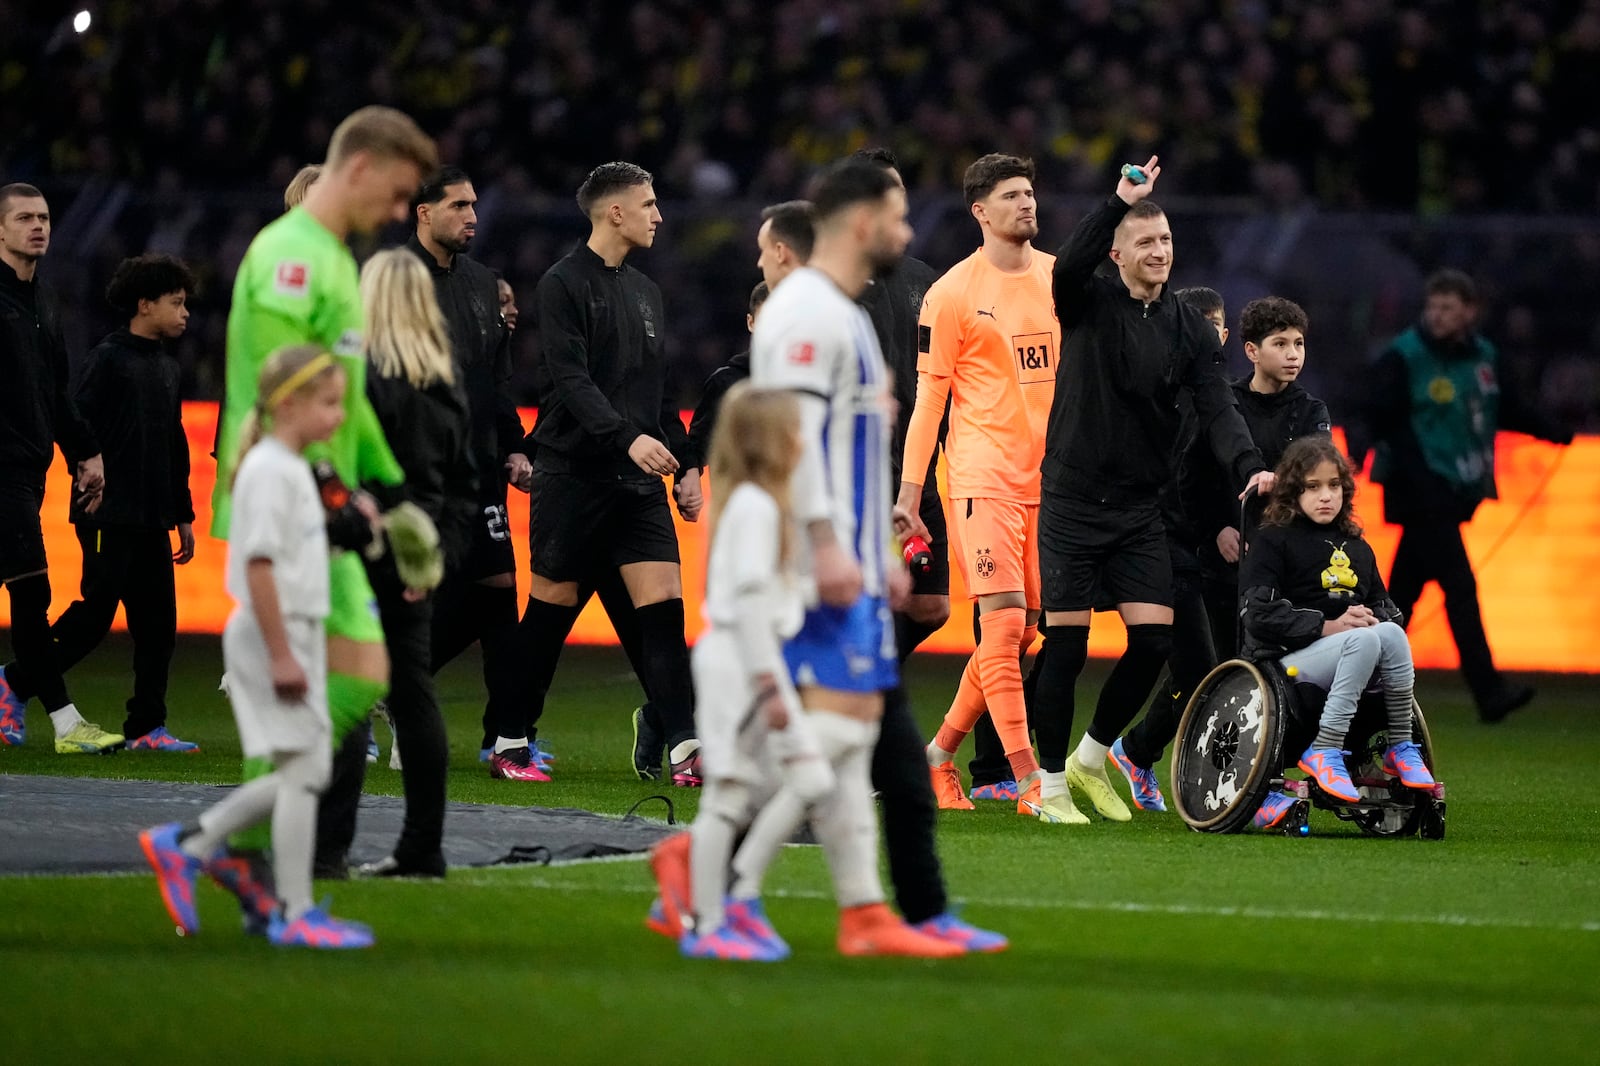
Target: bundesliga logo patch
(292, 278)
(803, 353)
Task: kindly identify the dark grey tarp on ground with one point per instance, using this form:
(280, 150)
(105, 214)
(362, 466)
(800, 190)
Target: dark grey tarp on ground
(74, 825)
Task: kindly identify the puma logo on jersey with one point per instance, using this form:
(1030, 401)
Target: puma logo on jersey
(981, 311)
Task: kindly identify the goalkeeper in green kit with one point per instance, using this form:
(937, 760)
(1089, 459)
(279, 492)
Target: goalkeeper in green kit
(298, 284)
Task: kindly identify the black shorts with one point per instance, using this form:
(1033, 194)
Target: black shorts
(21, 536)
(490, 553)
(1094, 555)
(578, 526)
(936, 582)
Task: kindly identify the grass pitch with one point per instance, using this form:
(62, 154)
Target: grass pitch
(1142, 942)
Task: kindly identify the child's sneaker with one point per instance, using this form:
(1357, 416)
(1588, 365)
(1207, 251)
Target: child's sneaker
(237, 875)
(158, 739)
(176, 872)
(970, 938)
(1142, 783)
(1404, 760)
(316, 928)
(1000, 790)
(1326, 767)
(1272, 810)
(728, 944)
(686, 771)
(749, 917)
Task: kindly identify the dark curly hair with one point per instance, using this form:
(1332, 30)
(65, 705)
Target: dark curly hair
(1302, 457)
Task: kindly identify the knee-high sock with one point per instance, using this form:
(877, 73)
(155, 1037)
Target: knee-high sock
(1056, 670)
(541, 635)
(294, 828)
(776, 823)
(666, 660)
(245, 807)
(724, 811)
(845, 822)
(1398, 676)
(1131, 682)
(257, 836)
(1001, 674)
(965, 709)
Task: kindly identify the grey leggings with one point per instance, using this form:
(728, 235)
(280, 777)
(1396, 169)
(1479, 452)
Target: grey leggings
(1343, 664)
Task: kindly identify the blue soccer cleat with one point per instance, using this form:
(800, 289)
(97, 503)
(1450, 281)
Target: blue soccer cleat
(12, 730)
(316, 928)
(727, 944)
(1000, 790)
(749, 917)
(953, 930)
(176, 873)
(1404, 760)
(1326, 767)
(158, 739)
(1142, 783)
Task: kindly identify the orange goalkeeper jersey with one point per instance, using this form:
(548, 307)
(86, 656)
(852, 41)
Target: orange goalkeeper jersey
(989, 343)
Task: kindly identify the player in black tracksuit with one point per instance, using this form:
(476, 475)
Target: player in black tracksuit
(129, 395)
(478, 600)
(36, 413)
(1130, 351)
(608, 432)
(1204, 515)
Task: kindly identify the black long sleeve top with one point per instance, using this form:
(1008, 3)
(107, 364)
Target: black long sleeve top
(481, 346)
(37, 410)
(129, 396)
(1296, 577)
(433, 437)
(1115, 421)
(602, 370)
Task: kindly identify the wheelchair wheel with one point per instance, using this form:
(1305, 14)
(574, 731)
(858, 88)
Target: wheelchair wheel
(1369, 738)
(1229, 746)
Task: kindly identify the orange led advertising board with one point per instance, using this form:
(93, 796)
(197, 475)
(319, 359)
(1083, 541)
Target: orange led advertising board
(1532, 549)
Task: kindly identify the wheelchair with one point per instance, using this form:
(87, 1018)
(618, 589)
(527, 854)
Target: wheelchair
(1248, 722)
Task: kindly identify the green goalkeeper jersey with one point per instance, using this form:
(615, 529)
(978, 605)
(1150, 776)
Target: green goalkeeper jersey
(298, 284)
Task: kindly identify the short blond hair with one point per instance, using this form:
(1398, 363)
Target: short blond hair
(385, 133)
(295, 191)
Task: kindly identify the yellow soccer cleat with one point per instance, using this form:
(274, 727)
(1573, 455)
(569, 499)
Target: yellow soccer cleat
(1060, 810)
(1097, 787)
(86, 738)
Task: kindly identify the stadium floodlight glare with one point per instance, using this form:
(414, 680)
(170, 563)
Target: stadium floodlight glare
(80, 21)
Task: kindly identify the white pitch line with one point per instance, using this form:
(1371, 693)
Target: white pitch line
(1179, 910)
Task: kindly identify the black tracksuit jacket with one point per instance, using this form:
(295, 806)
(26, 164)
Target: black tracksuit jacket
(1115, 421)
(602, 371)
(469, 296)
(37, 410)
(129, 395)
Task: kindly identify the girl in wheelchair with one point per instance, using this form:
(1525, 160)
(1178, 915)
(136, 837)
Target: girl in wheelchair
(1311, 595)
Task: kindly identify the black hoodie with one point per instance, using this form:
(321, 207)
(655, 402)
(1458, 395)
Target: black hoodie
(129, 395)
(36, 406)
(1296, 577)
(1209, 496)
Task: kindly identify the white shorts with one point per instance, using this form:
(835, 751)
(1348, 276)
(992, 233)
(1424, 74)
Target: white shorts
(735, 743)
(268, 725)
